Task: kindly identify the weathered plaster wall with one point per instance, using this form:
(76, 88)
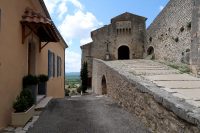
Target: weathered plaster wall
(55, 85)
(159, 110)
(166, 35)
(14, 57)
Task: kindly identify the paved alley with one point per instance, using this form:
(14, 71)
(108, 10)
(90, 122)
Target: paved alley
(86, 114)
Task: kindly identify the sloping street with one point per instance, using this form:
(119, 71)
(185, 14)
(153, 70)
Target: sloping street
(86, 114)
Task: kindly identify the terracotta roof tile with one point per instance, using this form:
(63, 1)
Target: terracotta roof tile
(31, 16)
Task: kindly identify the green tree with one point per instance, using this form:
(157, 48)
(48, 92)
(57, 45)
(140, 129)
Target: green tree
(84, 77)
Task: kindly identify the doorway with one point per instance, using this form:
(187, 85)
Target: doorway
(31, 59)
(104, 86)
(123, 53)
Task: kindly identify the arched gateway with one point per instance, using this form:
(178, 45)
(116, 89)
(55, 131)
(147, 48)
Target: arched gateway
(123, 53)
(103, 85)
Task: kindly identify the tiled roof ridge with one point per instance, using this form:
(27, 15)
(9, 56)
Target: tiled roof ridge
(31, 15)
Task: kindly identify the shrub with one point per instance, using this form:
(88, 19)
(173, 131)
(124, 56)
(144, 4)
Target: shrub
(29, 80)
(73, 92)
(79, 89)
(84, 77)
(24, 101)
(43, 78)
(183, 68)
(67, 92)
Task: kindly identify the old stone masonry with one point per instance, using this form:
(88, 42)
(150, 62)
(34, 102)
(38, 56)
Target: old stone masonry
(173, 36)
(119, 64)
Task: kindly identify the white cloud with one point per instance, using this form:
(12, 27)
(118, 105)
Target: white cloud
(161, 8)
(51, 5)
(69, 42)
(62, 9)
(77, 4)
(79, 25)
(73, 26)
(85, 40)
(72, 61)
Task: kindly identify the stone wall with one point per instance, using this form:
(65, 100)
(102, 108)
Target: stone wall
(124, 30)
(195, 47)
(170, 32)
(159, 110)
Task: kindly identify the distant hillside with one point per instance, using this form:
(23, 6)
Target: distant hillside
(73, 75)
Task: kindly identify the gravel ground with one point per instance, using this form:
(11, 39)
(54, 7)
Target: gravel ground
(86, 114)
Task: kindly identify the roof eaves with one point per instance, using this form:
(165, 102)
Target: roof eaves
(48, 15)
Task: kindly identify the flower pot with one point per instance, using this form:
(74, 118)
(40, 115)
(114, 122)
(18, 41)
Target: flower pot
(42, 88)
(21, 118)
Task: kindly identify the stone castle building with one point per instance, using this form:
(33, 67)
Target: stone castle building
(173, 36)
(124, 38)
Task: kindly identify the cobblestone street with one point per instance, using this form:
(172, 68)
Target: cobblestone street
(86, 114)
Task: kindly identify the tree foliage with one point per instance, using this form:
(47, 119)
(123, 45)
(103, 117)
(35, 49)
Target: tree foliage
(84, 76)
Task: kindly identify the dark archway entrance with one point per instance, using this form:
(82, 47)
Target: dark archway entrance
(123, 53)
(103, 85)
(150, 52)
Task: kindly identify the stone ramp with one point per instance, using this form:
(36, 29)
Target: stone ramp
(156, 86)
(183, 86)
(143, 67)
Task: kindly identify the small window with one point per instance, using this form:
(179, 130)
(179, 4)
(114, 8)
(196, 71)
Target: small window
(50, 63)
(150, 39)
(59, 64)
(54, 65)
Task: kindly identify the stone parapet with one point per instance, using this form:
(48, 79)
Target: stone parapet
(159, 109)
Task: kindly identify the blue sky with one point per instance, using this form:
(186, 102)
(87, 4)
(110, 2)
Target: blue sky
(75, 20)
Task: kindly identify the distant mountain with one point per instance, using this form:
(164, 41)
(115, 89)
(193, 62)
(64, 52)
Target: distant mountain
(73, 74)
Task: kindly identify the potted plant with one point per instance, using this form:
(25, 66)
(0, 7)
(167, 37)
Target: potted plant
(30, 82)
(24, 108)
(42, 84)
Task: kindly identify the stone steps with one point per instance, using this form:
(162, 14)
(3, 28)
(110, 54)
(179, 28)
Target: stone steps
(42, 104)
(40, 97)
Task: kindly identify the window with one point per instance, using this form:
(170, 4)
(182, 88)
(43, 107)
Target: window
(54, 65)
(50, 63)
(59, 64)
